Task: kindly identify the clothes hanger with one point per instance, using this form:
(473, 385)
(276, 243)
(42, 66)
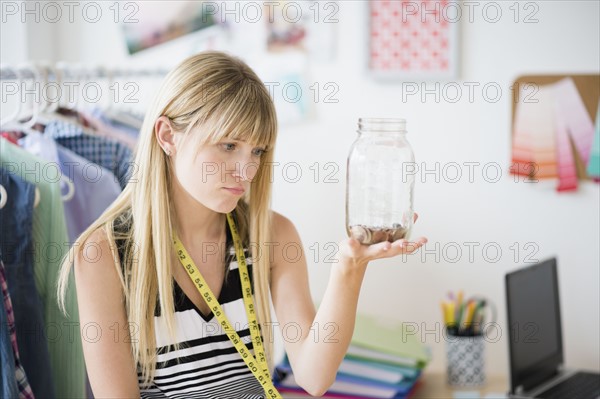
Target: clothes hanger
(46, 108)
(66, 113)
(71, 188)
(13, 121)
(110, 80)
(84, 76)
(6, 121)
(129, 117)
(59, 71)
(37, 197)
(27, 124)
(110, 110)
(3, 196)
(83, 79)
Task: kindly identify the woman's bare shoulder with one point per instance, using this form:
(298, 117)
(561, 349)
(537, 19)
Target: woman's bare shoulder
(281, 224)
(96, 259)
(284, 235)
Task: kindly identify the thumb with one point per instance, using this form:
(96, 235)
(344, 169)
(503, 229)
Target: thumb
(353, 244)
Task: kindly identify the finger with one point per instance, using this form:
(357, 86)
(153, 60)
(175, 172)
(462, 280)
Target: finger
(413, 246)
(403, 243)
(422, 240)
(416, 216)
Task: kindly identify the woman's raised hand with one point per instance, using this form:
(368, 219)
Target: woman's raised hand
(356, 254)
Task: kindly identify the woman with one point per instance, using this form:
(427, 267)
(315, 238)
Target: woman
(201, 185)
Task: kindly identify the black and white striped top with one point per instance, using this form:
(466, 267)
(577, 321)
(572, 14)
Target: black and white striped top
(207, 365)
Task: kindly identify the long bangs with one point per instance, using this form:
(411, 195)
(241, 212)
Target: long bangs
(242, 111)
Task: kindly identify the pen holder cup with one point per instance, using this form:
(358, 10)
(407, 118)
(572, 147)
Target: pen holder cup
(466, 360)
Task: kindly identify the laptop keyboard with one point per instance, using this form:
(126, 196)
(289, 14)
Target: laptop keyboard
(579, 386)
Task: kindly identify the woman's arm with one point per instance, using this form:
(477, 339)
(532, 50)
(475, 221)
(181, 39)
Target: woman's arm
(102, 316)
(326, 334)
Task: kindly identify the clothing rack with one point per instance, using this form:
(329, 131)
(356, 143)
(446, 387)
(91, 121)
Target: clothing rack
(63, 70)
(42, 74)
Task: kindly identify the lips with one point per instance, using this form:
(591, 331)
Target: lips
(236, 190)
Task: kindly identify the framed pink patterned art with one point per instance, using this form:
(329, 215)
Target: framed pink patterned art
(414, 39)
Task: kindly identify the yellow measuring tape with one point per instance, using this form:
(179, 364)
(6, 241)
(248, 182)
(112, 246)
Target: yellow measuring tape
(259, 367)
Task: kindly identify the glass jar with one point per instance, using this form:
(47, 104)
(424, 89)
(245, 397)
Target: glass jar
(379, 182)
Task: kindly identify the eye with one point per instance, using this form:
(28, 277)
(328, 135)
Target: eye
(259, 151)
(228, 146)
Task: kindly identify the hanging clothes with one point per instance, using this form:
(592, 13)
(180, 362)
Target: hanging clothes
(8, 382)
(125, 121)
(104, 128)
(51, 243)
(17, 248)
(107, 153)
(22, 384)
(88, 188)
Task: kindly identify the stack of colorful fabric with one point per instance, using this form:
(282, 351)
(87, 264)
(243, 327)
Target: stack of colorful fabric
(384, 360)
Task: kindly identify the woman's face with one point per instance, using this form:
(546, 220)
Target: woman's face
(218, 174)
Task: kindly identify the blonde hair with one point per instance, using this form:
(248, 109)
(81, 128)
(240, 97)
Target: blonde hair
(223, 98)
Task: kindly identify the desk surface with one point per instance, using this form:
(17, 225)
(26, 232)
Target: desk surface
(433, 386)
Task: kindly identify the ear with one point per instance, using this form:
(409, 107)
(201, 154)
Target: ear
(165, 135)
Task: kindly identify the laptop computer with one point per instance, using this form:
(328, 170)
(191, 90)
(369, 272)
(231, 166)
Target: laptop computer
(535, 338)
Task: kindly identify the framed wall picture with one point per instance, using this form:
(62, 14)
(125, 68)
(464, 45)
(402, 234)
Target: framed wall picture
(308, 26)
(414, 39)
(151, 23)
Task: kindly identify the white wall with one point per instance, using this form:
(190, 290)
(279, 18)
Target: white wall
(564, 40)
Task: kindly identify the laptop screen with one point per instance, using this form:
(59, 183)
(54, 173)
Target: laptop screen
(535, 339)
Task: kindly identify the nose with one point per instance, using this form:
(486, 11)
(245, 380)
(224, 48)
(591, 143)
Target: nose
(245, 169)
